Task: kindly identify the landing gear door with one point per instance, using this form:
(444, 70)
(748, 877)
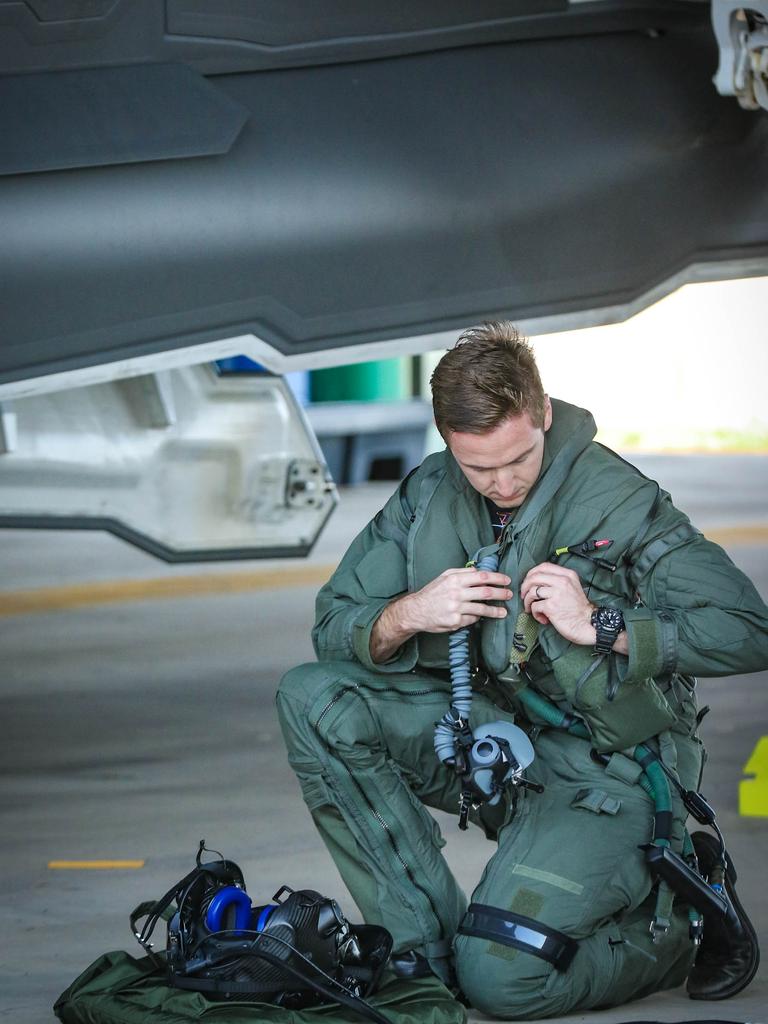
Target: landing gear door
(185, 463)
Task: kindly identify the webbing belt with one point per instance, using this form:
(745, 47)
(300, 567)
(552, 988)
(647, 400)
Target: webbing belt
(521, 932)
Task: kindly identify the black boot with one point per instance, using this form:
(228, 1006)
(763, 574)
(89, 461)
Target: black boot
(410, 965)
(729, 954)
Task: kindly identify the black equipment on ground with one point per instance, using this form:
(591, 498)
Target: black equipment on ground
(298, 951)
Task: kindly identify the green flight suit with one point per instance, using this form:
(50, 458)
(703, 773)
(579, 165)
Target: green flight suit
(360, 734)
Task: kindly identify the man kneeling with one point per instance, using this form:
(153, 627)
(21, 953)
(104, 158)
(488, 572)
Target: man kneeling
(600, 605)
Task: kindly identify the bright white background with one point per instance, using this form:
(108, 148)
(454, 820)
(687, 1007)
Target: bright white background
(689, 373)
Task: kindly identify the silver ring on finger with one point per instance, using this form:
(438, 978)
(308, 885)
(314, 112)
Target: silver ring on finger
(538, 593)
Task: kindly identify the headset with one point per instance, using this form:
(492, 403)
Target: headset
(297, 951)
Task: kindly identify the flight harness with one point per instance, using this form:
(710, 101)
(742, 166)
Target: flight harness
(494, 757)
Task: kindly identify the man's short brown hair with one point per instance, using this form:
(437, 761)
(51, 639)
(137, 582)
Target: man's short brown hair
(487, 377)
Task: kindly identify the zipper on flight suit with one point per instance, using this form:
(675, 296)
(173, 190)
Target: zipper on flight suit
(336, 697)
(385, 689)
(384, 825)
(396, 850)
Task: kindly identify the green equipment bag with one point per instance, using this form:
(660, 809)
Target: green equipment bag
(119, 989)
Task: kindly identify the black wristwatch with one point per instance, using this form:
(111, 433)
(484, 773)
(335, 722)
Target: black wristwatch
(608, 623)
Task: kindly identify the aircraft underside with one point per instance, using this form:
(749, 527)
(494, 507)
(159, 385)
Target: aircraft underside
(185, 181)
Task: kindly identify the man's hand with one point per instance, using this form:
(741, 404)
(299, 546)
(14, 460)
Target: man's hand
(455, 599)
(554, 594)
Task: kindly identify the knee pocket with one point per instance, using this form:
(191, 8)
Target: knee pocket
(322, 700)
(313, 789)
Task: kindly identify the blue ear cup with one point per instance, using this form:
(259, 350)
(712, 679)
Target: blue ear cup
(263, 916)
(227, 902)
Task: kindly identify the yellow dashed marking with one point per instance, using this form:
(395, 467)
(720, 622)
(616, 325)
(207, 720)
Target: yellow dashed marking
(753, 793)
(94, 865)
(80, 595)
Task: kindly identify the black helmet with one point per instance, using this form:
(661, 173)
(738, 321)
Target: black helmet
(298, 951)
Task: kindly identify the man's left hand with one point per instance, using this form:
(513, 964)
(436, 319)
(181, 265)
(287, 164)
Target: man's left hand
(553, 594)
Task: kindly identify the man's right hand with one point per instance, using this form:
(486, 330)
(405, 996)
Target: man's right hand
(455, 599)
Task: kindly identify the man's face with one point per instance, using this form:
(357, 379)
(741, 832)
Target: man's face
(504, 463)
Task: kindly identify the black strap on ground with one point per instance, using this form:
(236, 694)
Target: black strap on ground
(521, 933)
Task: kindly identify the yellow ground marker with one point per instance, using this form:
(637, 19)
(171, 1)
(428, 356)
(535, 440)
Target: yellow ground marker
(94, 865)
(753, 793)
(80, 595)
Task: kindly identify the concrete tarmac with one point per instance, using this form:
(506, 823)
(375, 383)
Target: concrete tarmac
(135, 725)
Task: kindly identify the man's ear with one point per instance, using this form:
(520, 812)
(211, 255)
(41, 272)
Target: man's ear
(547, 413)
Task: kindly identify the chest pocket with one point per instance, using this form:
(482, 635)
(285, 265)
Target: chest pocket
(382, 572)
(637, 711)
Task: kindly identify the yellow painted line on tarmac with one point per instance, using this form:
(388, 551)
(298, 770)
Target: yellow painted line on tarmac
(81, 595)
(754, 533)
(94, 865)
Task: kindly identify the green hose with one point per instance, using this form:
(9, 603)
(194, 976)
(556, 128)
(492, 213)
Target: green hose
(552, 714)
(653, 781)
(660, 791)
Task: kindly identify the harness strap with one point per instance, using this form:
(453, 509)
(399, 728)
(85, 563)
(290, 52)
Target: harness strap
(639, 563)
(662, 915)
(659, 547)
(588, 671)
(403, 496)
(521, 933)
(662, 824)
(427, 489)
(642, 529)
(391, 531)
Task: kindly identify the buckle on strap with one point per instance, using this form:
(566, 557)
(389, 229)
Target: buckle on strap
(521, 933)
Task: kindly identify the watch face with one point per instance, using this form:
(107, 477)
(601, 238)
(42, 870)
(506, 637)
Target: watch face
(611, 618)
(608, 623)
